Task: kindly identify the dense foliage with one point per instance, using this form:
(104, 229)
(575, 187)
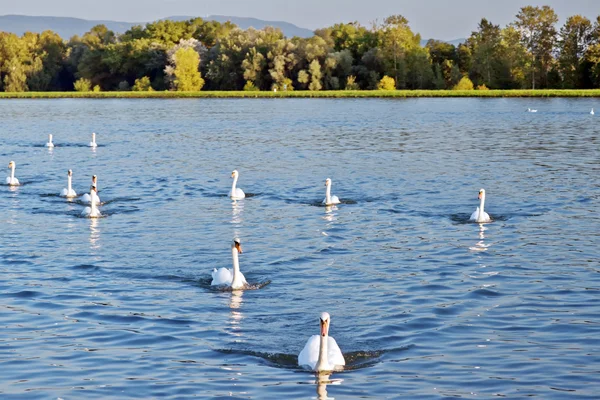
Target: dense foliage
(195, 54)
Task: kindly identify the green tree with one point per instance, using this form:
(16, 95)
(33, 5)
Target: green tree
(538, 35)
(142, 85)
(187, 75)
(464, 84)
(575, 38)
(315, 76)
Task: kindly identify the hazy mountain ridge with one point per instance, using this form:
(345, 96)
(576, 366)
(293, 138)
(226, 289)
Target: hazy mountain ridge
(67, 27)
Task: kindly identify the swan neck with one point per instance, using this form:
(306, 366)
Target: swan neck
(69, 183)
(12, 172)
(328, 194)
(94, 138)
(233, 185)
(323, 362)
(236, 268)
(92, 203)
(481, 205)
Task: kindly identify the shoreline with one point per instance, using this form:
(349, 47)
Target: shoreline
(543, 93)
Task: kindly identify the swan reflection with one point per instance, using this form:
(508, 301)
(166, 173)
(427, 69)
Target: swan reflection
(94, 234)
(330, 213)
(235, 315)
(322, 381)
(481, 245)
(236, 211)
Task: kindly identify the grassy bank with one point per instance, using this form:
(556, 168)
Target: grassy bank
(306, 94)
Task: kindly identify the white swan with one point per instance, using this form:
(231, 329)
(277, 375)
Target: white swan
(592, 112)
(11, 180)
(530, 110)
(93, 142)
(68, 191)
(329, 199)
(480, 215)
(50, 145)
(236, 193)
(232, 278)
(86, 197)
(321, 352)
(92, 211)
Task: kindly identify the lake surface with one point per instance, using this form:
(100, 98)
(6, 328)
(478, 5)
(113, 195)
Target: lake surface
(423, 303)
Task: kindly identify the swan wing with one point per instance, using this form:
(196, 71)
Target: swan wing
(474, 215)
(335, 200)
(239, 193)
(222, 276)
(86, 212)
(8, 180)
(485, 217)
(309, 355)
(334, 353)
(64, 193)
(86, 198)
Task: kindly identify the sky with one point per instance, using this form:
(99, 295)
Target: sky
(440, 19)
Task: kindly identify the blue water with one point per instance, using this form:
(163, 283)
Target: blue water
(423, 303)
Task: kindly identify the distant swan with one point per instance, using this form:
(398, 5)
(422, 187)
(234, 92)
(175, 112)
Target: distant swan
(480, 215)
(321, 352)
(93, 142)
(530, 110)
(592, 112)
(228, 277)
(86, 197)
(68, 191)
(50, 144)
(92, 211)
(11, 180)
(329, 199)
(236, 193)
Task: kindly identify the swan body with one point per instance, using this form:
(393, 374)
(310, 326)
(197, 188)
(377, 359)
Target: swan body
(232, 278)
(321, 352)
(68, 191)
(592, 112)
(236, 193)
(480, 215)
(329, 199)
(93, 142)
(87, 198)
(532, 111)
(92, 211)
(11, 180)
(50, 145)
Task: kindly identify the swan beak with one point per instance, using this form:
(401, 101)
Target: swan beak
(324, 328)
(479, 197)
(239, 248)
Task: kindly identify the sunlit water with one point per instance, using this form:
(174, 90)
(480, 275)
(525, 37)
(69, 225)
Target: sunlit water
(423, 303)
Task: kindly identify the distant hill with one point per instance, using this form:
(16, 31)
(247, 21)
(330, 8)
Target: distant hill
(455, 42)
(67, 27)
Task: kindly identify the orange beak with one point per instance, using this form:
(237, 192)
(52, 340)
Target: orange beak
(479, 196)
(239, 248)
(324, 328)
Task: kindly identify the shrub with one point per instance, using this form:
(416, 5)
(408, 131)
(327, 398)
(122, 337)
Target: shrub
(249, 87)
(82, 85)
(386, 83)
(124, 86)
(482, 87)
(142, 85)
(351, 83)
(97, 88)
(464, 84)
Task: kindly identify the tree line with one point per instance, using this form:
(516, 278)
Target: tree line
(197, 54)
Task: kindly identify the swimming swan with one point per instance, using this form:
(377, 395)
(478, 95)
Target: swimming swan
(592, 112)
(530, 110)
(11, 180)
(93, 142)
(68, 191)
(228, 277)
(236, 193)
(50, 145)
(329, 199)
(86, 197)
(480, 215)
(321, 352)
(92, 211)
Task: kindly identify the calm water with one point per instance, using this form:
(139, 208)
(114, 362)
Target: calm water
(423, 303)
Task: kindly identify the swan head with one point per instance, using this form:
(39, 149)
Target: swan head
(11, 164)
(70, 173)
(324, 320)
(94, 180)
(235, 173)
(237, 245)
(481, 193)
(328, 182)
